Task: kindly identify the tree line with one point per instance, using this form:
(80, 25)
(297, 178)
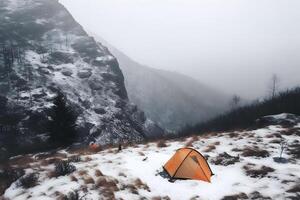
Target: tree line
(60, 126)
(245, 116)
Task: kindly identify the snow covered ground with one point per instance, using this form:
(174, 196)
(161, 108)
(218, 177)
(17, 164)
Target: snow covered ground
(133, 173)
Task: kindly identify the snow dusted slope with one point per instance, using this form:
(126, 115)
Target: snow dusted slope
(246, 171)
(171, 99)
(53, 52)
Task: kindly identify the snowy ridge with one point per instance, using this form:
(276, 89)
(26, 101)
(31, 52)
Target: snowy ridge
(133, 173)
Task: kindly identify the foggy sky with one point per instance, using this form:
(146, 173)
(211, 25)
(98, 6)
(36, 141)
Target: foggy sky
(232, 45)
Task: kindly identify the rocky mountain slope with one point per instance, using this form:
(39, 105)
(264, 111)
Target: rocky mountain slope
(242, 162)
(171, 99)
(43, 50)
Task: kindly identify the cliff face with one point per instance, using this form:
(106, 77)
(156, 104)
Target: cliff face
(43, 50)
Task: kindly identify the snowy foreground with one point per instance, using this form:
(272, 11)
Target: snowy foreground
(133, 172)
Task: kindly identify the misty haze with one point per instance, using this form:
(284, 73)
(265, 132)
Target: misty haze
(149, 99)
(234, 46)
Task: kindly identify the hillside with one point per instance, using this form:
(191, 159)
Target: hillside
(246, 115)
(242, 162)
(171, 99)
(43, 51)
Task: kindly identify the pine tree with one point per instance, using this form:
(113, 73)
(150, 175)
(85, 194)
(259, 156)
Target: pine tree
(63, 122)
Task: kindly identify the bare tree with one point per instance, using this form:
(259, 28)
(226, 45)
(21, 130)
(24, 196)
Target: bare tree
(283, 146)
(274, 85)
(234, 102)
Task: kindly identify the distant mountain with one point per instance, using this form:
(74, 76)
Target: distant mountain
(171, 99)
(43, 51)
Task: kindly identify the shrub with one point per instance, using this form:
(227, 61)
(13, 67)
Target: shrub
(28, 181)
(73, 178)
(225, 159)
(255, 152)
(209, 148)
(71, 196)
(254, 172)
(82, 172)
(63, 168)
(236, 196)
(141, 185)
(98, 173)
(8, 176)
(74, 159)
(89, 180)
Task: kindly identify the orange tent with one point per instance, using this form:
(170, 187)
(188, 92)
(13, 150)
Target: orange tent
(188, 163)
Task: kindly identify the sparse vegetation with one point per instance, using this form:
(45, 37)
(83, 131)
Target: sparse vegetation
(161, 144)
(8, 176)
(225, 159)
(71, 196)
(98, 173)
(209, 148)
(236, 196)
(89, 180)
(257, 172)
(28, 180)
(255, 152)
(139, 184)
(63, 168)
(74, 159)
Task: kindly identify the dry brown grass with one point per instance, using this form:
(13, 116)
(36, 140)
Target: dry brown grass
(273, 135)
(73, 178)
(141, 185)
(217, 143)
(291, 131)
(89, 180)
(87, 159)
(239, 196)
(82, 172)
(233, 134)
(107, 183)
(130, 187)
(98, 173)
(190, 142)
(50, 161)
(275, 141)
(209, 148)
(161, 198)
(236, 150)
(161, 144)
(255, 152)
(257, 172)
(21, 161)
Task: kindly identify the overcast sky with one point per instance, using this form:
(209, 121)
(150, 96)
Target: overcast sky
(232, 45)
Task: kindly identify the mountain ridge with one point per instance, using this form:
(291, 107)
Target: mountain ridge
(171, 99)
(50, 51)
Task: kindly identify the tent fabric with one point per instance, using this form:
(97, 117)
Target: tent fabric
(188, 163)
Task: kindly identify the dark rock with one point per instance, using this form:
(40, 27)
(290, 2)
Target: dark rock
(95, 84)
(84, 73)
(67, 72)
(100, 111)
(60, 58)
